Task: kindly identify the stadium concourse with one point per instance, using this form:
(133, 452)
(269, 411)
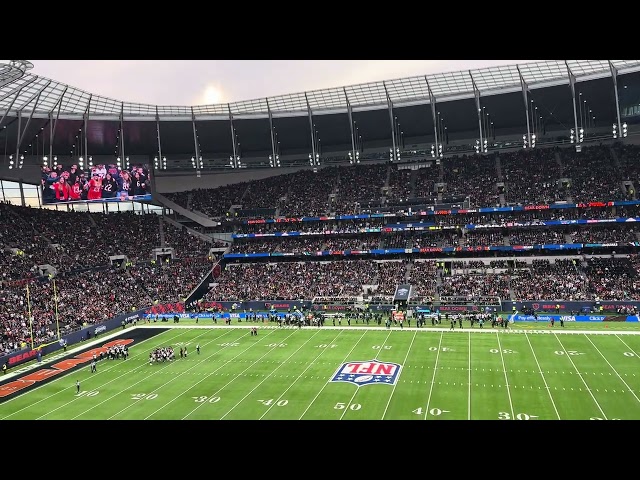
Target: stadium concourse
(583, 247)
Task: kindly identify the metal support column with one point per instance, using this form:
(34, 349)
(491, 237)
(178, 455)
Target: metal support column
(525, 89)
(432, 101)
(614, 76)
(394, 155)
(85, 127)
(233, 138)
(4, 115)
(314, 159)
(122, 133)
(35, 96)
(476, 94)
(195, 141)
(273, 137)
(161, 162)
(350, 116)
(53, 124)
(572, 85)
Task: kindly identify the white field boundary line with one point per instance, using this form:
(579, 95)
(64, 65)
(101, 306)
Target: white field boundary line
(327, 382)
(230, 381)
(506, 379)
(271, 373)
(614, 370)
(433, 377)
(346, 408)
(398, 376)
(65, 376)
(458, 331)
(546, 385)
(299, 377)
(581, 378)
(144, 365)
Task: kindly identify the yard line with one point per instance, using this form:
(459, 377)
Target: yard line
(433, 378)
(504, 368)
(542, 375)
(327, 383)
(65, 375)
(133, 384)
(272, 372)
(580, 375)
(612, 368)
(630, 348)
(299, 376)
(469, 395)
(233, 379)
(358, 387)
(397, 377)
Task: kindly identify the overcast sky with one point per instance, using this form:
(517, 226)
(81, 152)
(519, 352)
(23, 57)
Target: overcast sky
(190, 82)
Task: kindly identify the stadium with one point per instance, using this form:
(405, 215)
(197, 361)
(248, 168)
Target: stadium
(466, 239)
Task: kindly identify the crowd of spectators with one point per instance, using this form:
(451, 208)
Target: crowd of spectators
(292, 280)
(474, 177)
(600, 234)
(66, 183)
(561, 279)
(489, 285)
(531, 177)
(593, 174)
(537, 236)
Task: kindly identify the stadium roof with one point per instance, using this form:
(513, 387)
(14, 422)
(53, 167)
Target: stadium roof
(21, 91)
(39, 116)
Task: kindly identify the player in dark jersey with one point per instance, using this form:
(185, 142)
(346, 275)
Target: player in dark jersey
(124, 185)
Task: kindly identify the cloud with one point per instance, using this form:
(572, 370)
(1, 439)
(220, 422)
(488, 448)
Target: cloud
(187, 82)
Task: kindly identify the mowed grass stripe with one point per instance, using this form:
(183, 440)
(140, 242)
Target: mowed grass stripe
(231, 383)
(370, 402)
(58, 399)
(248, 407)
(409, 399)
(490, 399)
(303, 393)
(570, 396)
(527, 387)
(612, 395)
(324, 404)
(202, 381)
(134, 396)
(449, 396)
(280, 399)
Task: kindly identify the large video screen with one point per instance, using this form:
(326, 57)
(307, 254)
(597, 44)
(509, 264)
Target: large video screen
(97, 183)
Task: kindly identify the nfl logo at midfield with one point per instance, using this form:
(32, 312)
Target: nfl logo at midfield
(367, 372)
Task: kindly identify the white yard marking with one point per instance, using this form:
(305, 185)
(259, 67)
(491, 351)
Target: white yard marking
(581, 377)
(469, 393)
(396, 384)
(504, 368)
(357, 387)
(164, 367)
(313, 362)
(543, 377)
(433, 379)
(235, 377)
(327, 383)
(66, 376)
(614, 370)
(272, 372)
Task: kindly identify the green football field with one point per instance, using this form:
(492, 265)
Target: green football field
(529, 372)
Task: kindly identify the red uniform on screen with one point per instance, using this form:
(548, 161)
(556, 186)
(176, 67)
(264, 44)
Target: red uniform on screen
(95, 188)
